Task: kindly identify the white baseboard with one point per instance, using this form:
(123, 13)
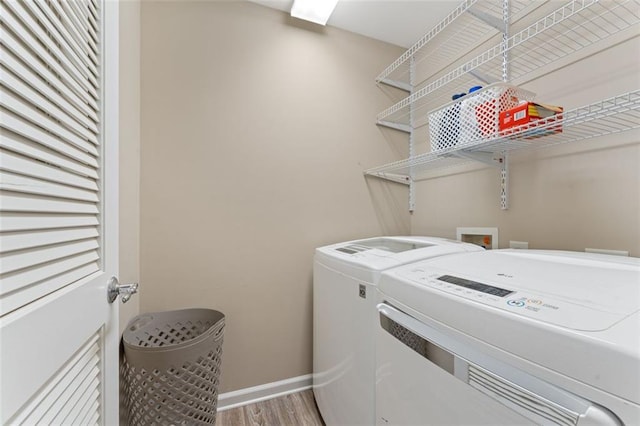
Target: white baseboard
(259, 393)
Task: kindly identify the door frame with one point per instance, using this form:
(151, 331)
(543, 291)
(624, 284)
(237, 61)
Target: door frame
(110, 196)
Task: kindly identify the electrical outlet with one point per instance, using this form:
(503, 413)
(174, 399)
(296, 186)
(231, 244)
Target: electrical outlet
(519, 245)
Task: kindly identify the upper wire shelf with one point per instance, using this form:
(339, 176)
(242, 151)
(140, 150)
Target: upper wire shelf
(614, 115)
(470, 24)
(569, 29)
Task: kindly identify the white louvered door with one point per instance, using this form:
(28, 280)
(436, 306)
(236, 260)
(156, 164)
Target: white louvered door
(58, 211)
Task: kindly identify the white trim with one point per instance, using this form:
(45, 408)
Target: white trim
(110, 124)
(259, 393)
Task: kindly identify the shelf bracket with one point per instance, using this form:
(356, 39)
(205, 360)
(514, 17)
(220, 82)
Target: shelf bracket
(500, 161)
(397, 84)
(412, 149)
(485, 78)
(403, 179)
(397, 126)
(488, 19)
(493, 160)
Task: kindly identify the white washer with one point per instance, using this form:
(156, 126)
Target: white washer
(344, 318)
(510, 337)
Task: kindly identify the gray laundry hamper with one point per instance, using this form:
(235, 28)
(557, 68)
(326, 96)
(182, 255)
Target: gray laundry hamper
(171, 367)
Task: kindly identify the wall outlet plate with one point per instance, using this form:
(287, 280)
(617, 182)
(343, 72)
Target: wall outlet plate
(519, 245)
(484, 237)
(604, 251)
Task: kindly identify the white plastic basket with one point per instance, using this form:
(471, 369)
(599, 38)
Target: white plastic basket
(473, 117)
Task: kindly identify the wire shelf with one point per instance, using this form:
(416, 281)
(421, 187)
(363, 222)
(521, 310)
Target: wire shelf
(569, 29)
(453, 36)
(614, 115)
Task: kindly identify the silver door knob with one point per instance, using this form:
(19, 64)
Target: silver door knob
(115, 289)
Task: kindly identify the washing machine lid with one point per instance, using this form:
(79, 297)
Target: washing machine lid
(365, 259)
(580, 291)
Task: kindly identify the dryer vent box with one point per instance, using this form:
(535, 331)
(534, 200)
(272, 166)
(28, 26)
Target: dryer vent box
(483, 237)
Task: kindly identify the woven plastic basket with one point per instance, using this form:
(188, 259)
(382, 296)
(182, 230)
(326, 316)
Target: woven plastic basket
(473, 117)
(172, 367)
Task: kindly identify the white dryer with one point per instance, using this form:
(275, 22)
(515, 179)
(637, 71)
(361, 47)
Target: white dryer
(510, 337)
(344, 317)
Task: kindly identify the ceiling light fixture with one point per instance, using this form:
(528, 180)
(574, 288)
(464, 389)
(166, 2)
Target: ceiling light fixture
(317, 11)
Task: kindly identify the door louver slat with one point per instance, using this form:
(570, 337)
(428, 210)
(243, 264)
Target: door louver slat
(49, 148)
(51, 38)
(93, 7)
(78, 373)
(23, 127)
(74, 26)
(31, 239)
(37, 288)
(64, 70)
(29, 221)
(31, 115)
(40, 280)
(40, 81)
(23, 202)
(52, 260)
(69, 43)
(33, 164)
(58, 399)
(27, 185)
(44, 104)
(31, 59)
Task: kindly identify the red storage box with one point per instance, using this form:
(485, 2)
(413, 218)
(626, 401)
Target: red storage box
(530, 112)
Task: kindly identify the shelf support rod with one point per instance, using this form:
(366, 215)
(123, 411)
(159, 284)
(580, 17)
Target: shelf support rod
(504, 183)
(504, 170)
(506, 19)
(412, 189)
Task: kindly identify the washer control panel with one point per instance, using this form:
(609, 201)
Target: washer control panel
(543, 308)
(475, 285)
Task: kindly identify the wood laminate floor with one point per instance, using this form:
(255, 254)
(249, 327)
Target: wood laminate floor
(296, 409)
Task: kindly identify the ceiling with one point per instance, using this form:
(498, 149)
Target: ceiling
(399, 22)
